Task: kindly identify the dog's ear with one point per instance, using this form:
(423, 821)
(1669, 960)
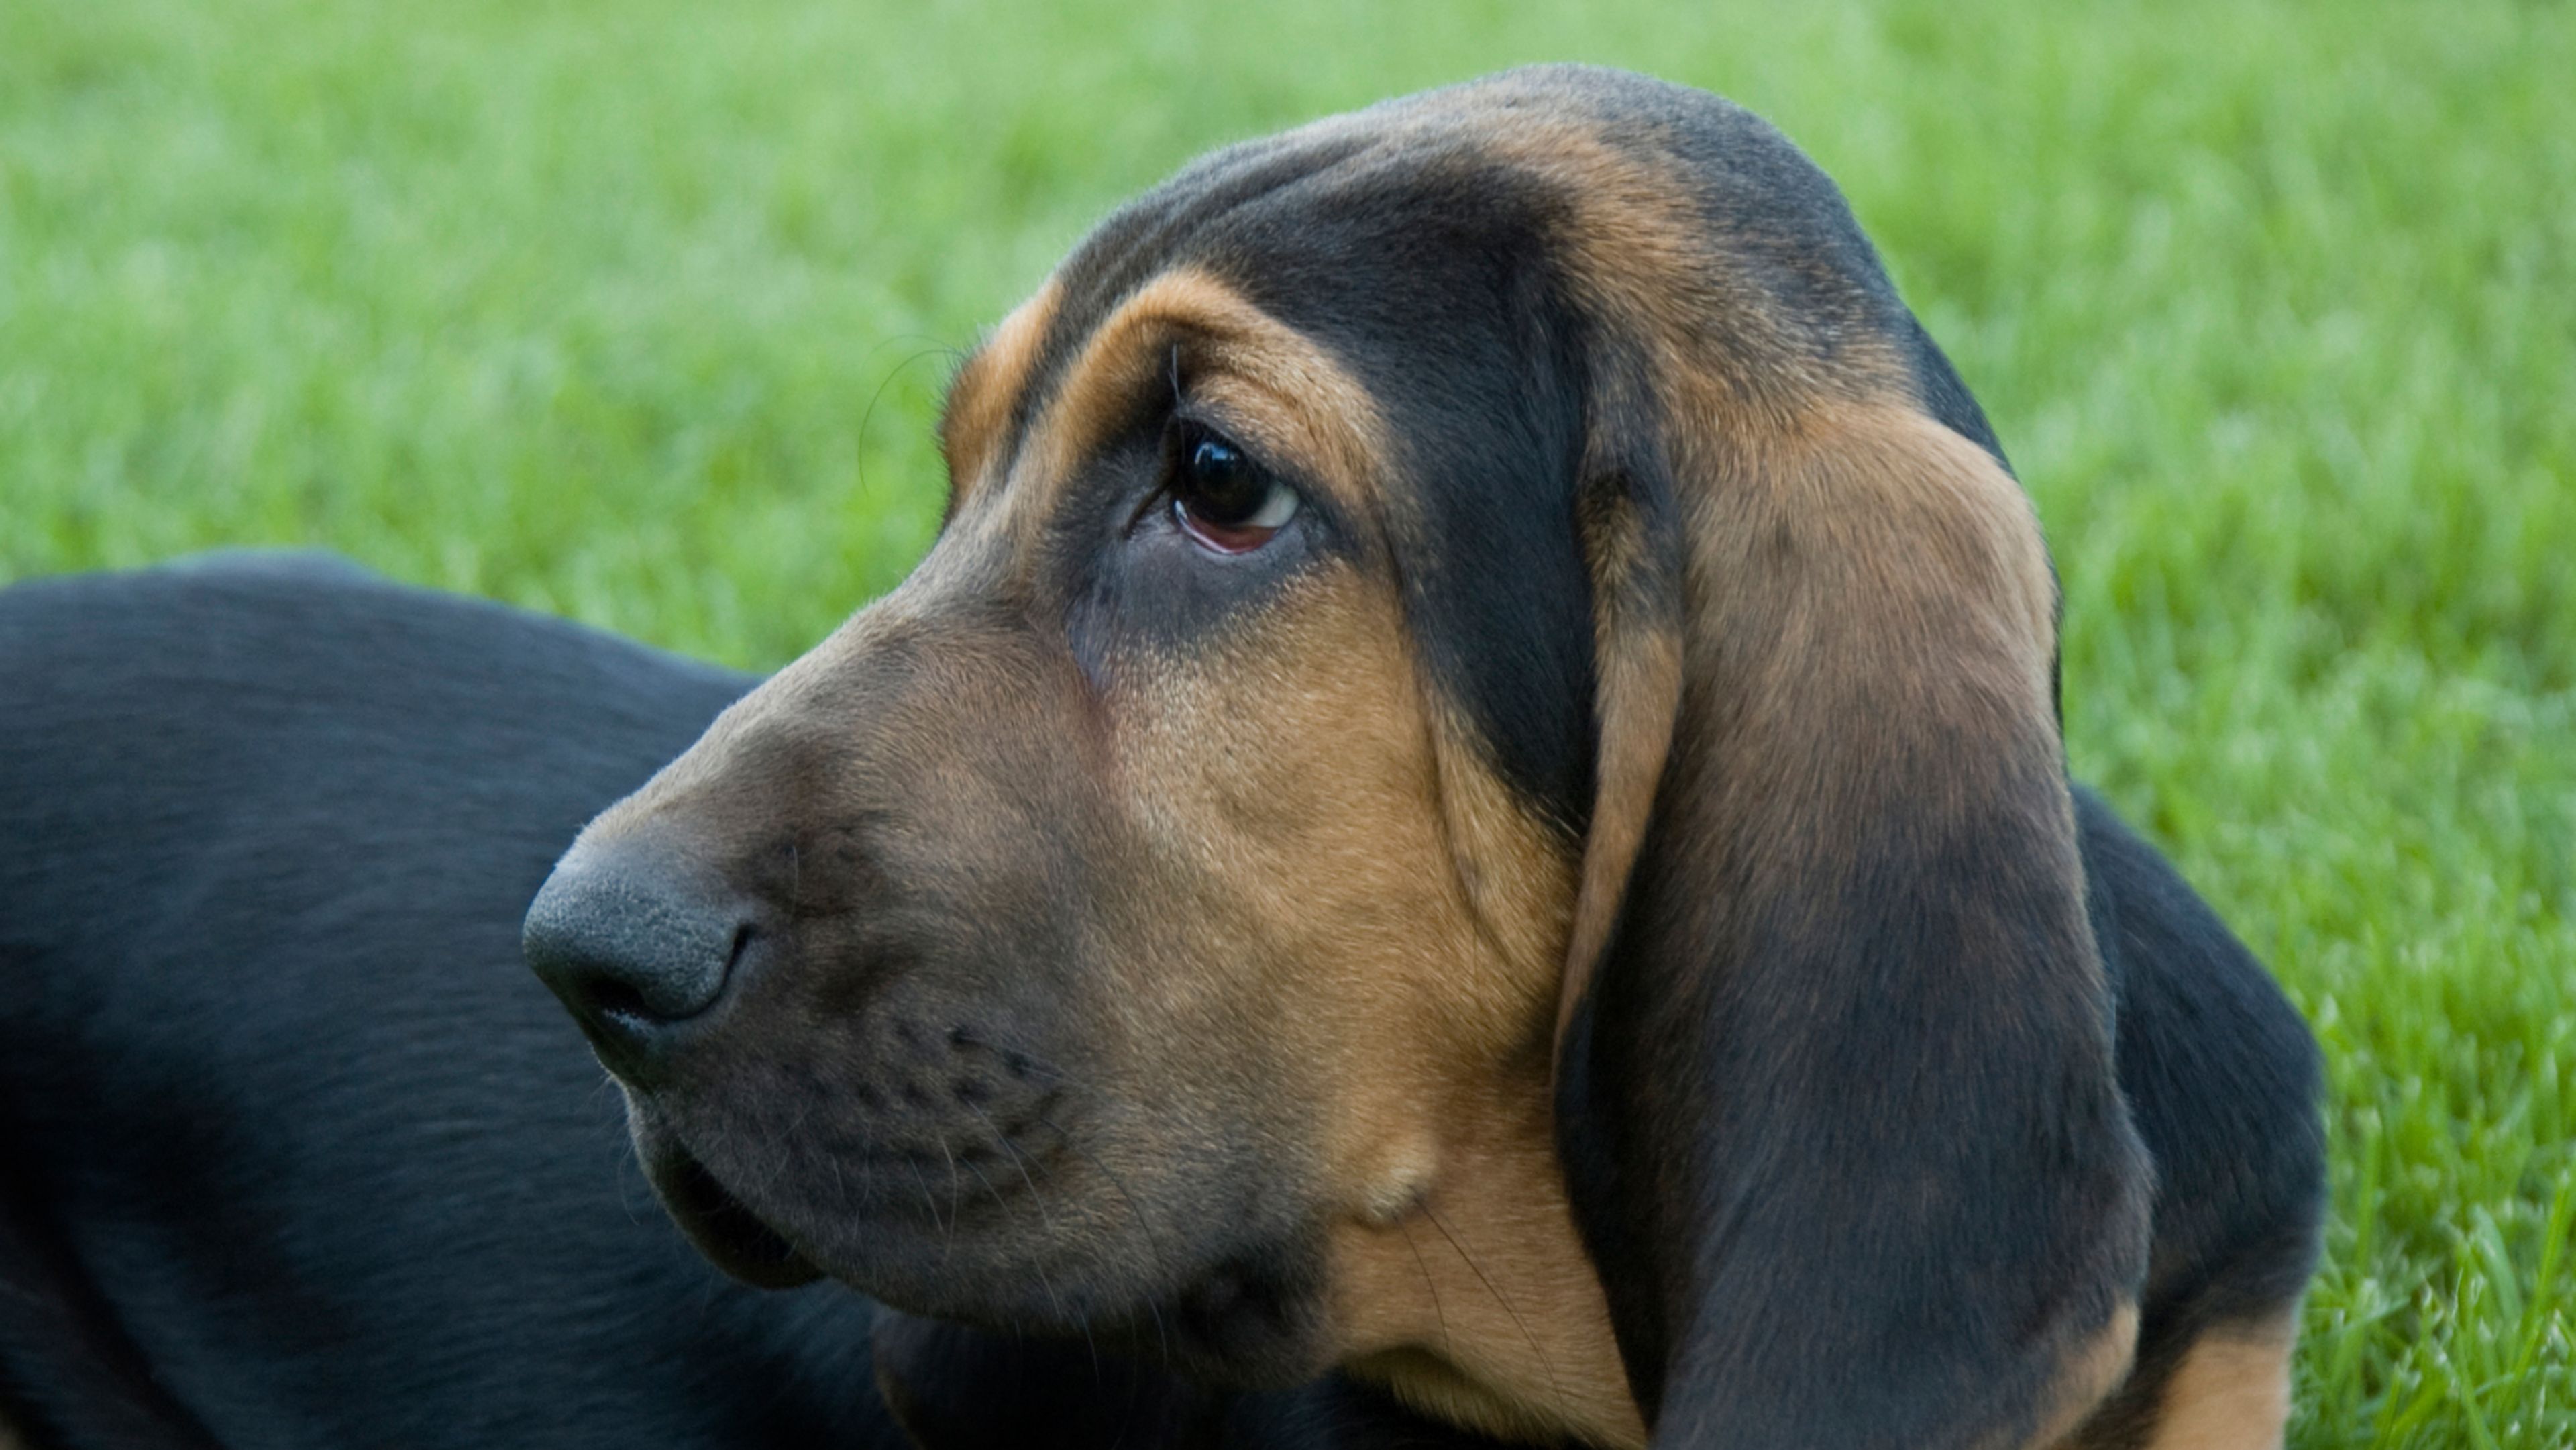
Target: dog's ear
(1835, 1084)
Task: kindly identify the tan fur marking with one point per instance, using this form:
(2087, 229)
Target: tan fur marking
(1641, 254)
(2090, 1374)
(979, 401)
(1638, 692)
(1929, 525)
(2231, 1392)
(1295, 397)
(1481, 1306)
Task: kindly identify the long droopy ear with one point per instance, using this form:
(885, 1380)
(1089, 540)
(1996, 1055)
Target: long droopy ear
(1835, 1085)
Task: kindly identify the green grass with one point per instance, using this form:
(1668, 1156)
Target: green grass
(638, 311)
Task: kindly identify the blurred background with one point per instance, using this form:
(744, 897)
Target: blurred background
(639, 311)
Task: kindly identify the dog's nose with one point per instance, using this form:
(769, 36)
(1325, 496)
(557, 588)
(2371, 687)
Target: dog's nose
(635, 946)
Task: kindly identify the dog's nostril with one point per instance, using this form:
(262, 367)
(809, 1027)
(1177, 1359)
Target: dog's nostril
(632, 944)
(616, 999)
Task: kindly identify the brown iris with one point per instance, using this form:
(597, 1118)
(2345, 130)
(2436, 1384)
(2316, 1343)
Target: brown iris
(1224, 500)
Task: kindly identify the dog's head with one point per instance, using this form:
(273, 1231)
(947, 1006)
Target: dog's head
(1470, 790)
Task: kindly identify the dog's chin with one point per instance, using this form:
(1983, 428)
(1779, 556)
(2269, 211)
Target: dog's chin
(1245, 1318)
(728, 1234)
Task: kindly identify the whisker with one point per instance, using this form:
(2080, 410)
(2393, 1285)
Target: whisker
(1051, 1076)
(932, 1204)
(956, 1195)
(1044, 1282)
(1144, 1225)
(1039, 1199)
(1556, 1388)
(859, 448)
(1437, 1309)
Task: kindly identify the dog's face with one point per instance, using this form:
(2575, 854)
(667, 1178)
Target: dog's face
(1153, 918)
(1135, 905)
(1111, 934)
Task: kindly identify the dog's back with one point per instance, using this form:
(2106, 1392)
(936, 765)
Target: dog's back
(297, 1151)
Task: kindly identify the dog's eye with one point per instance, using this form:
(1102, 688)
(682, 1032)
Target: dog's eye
(1224, 500)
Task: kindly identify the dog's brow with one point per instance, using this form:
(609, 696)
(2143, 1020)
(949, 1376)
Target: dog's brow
(980, 401)
(1302, 397)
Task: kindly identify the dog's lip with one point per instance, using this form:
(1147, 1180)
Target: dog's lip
(731, 1236)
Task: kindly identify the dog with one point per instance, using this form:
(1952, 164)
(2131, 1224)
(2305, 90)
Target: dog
(297, 1154)
(1471, 795)
(289, 1154)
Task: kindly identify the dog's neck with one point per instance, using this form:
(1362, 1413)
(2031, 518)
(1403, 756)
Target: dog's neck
(1477, 1303)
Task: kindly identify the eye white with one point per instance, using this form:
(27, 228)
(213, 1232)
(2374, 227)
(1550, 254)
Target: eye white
(1278, 506)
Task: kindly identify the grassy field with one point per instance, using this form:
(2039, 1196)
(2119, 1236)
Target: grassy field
(639, 311)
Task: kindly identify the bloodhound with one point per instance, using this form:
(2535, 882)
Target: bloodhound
(1471, 793)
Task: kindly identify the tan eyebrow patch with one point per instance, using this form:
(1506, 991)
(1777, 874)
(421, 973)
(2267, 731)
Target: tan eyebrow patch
(979, 400)
(1273, 380)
